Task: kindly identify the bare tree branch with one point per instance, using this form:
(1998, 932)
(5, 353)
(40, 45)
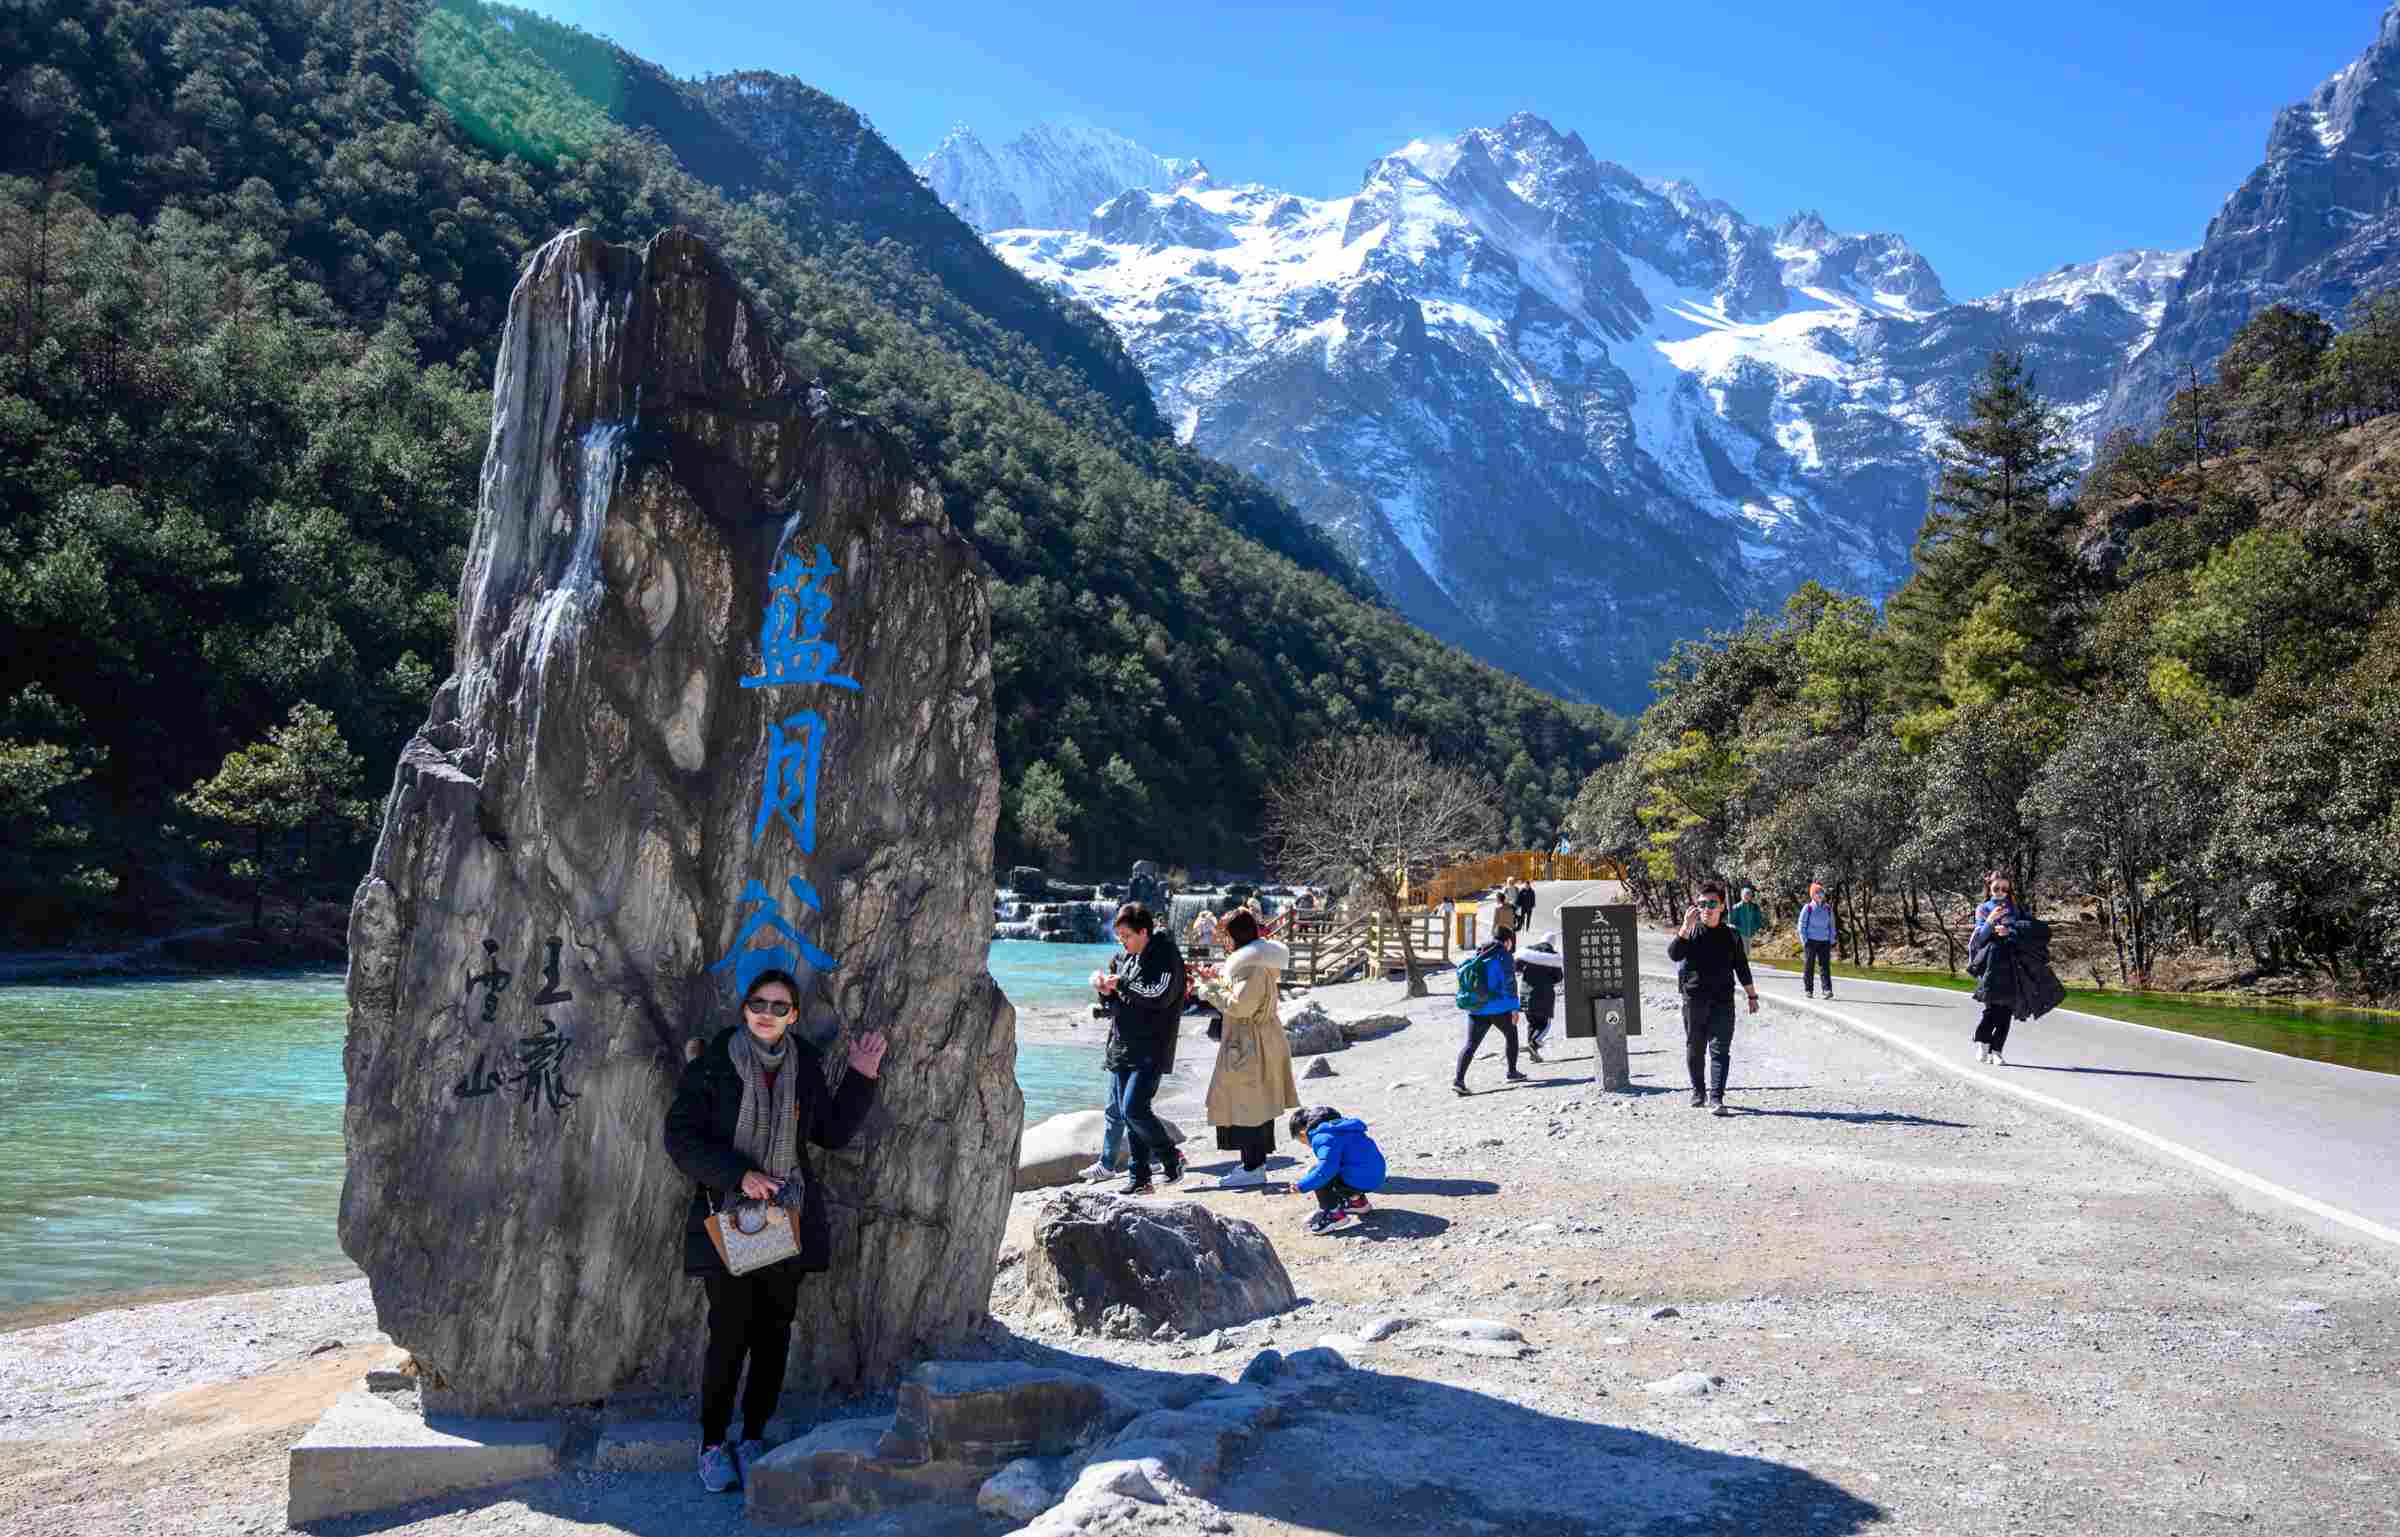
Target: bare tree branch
(1355, 811)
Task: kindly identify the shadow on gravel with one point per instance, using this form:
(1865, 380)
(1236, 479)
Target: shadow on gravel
(2123, 1072)
(1386, 1223)
(1377, 1454)
(1850, 1117)
(1409, 1184)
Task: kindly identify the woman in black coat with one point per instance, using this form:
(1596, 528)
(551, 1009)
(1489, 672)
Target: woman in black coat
(740, 1126)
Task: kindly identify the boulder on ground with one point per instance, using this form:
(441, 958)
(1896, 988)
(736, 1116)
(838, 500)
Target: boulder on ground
(1373, 1028)
(1173, 1262)
(1026, 881)
(957, 1424)
(1312, 1032)
(1058, 1150)
(1020, 1491)
(1317, 1069)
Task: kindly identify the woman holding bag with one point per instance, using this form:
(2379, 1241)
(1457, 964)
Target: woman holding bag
(739, 1126)
(1252, 1086)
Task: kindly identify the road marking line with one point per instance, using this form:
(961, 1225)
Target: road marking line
(2218, 1167)
(2097, 1019)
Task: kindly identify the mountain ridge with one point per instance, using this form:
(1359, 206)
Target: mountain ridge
(1694, 412)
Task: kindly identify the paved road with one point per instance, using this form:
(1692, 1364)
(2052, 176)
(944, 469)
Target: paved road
(2280, 1134)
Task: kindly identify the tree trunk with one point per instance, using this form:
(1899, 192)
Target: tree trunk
(258, 886)
(1949, 935)
(1408, 960)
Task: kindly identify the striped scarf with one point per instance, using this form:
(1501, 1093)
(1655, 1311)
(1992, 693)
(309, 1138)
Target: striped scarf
(768, 1131)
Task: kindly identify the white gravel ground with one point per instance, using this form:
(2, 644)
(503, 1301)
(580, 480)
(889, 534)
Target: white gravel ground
(1924, 1310)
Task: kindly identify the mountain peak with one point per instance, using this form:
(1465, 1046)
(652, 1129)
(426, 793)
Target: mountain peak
(1052, 176)
(1806, 230)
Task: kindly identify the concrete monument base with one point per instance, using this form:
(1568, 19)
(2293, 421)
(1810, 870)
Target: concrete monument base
(373, 1452)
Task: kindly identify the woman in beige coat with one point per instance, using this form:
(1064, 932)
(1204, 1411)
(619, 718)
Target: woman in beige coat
(1252, 1086)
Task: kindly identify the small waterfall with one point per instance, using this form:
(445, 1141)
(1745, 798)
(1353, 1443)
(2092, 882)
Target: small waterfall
(578, 585)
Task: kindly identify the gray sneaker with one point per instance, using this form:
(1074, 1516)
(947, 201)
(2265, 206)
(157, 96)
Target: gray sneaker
(745, 1457)
(717, 1472)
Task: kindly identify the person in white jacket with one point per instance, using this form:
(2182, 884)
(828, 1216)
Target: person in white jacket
(1252, 1085)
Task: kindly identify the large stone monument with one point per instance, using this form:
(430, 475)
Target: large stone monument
(721, 699)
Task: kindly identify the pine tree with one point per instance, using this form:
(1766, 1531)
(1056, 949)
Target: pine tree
(1999, 519)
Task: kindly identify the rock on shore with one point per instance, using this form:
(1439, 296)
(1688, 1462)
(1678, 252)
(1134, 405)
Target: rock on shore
(721, 699)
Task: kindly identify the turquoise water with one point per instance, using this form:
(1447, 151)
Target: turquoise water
(175, 1134)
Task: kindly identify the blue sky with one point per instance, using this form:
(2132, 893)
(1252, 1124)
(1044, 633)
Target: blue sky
(2001, 143)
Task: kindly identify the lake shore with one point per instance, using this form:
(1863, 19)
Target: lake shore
(1963, 1316)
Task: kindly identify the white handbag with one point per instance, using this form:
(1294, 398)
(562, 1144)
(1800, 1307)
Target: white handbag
(751, 1235)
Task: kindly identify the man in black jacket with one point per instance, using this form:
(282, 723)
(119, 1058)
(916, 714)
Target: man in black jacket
(1710, 956)
(1144, 990)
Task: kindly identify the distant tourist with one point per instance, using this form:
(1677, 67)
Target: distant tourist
(1503, 913)
(1252, 1086)
(1143, 990)
(1204, 930)
(1748, 918)
(1487, 990)
(1816, 941)
(1709, 957)
(1524, 905)
(1348, 1166)
(2009, 956)
(740, 1124)
(1541, 968)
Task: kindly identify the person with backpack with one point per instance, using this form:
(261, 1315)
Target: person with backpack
(1542, 969)
(1816, 940)
(1348, 1165)
(1709, 955)
(1487, 990)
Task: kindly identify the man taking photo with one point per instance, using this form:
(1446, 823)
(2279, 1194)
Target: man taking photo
(1709, 957)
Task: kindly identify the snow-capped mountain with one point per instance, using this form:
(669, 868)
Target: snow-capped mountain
(1050, 177)
(2316, 225)
(1566, 416)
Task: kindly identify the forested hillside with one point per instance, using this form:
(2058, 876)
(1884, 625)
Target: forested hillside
(253, 264)
(2173, 693)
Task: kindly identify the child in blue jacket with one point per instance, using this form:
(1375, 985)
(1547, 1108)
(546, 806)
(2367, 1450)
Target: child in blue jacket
(1349, 1164)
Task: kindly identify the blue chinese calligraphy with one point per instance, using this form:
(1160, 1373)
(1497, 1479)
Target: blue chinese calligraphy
(791, 639)
(792, 643)
(795, 751)
(746, 963)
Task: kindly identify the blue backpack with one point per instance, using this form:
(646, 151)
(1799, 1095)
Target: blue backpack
(1475, 987)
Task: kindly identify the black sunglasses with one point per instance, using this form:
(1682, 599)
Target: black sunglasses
(773, 1008)
(1710, 903)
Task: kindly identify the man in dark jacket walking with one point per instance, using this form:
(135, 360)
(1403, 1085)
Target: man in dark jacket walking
(1525, 902)
(2009, 955)
(1709, 956)
(1144, 990)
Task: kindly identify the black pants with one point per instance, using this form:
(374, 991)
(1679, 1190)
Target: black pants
(1816, 957)
(1252, 1142)
(1992, 1029)
(749, 1316)
(1537, 1028)
(1146, 1138)
(1333, 1193)
(1478, 1026)
(1708, 1042)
